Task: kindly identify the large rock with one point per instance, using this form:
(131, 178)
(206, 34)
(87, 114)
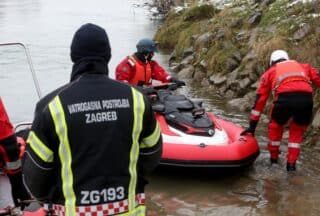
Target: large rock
(186, 73)
(188, 51)
(175, 67)
(243, 104)
(240, 103)
(187, 60)
(232, 77)
(218, 79)
(243, 84)
(203, 40)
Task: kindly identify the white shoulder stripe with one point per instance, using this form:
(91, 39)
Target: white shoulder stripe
(131, 62)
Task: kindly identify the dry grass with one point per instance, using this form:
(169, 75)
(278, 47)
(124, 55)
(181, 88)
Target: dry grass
(264, 47)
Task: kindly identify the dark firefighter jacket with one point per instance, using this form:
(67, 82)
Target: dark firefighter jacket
(91, 145)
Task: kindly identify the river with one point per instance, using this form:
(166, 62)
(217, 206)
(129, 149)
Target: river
(47, 27)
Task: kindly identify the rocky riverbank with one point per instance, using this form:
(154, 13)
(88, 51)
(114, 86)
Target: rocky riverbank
(226, 47)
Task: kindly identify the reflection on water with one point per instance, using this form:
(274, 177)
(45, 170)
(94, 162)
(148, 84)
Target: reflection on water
(47, 27)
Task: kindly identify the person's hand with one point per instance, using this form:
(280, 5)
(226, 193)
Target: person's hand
(251, 129)
(247, 131)
(178, 82)
(18, 190)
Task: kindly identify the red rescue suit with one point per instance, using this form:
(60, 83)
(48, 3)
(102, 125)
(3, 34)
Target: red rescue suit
(290, 83)
(136, 72)
(9, 150)
(10, 159)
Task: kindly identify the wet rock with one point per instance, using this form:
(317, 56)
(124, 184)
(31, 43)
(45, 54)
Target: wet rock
(302, 32)
(218, 79)
(243, 104)
(186, 73)
(240, 103)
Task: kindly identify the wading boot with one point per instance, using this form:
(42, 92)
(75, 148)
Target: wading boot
(291, 167)
(273, 160)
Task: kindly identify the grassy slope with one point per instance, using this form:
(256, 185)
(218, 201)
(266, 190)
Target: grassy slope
(274, 31)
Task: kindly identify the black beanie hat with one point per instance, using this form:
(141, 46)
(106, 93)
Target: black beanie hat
(90, 41)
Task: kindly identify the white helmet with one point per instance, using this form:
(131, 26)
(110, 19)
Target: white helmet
(278, 55)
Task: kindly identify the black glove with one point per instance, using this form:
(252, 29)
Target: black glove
(251, 129)
(18, 190)
(178, 82)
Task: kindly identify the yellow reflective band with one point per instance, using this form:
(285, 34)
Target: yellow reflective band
(58, 116)
(39, 148)
(138, 112)
(138, 211)
(152, 139)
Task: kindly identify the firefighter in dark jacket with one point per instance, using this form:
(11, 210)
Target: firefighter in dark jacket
(10, 158)
(90, 147)
(290, 83)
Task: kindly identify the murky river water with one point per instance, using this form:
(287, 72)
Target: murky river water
(46, 27)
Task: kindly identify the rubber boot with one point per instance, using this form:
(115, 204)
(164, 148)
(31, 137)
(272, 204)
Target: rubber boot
(291, 167)
(273, 160)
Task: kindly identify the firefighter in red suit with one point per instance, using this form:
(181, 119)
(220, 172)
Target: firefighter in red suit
(290, 82)
(10, 158)
(139, 68)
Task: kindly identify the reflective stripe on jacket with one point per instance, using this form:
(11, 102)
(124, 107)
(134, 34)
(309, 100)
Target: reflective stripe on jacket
(288, 71)
(142, 73)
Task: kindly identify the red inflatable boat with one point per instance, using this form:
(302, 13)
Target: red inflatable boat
(195, 138)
